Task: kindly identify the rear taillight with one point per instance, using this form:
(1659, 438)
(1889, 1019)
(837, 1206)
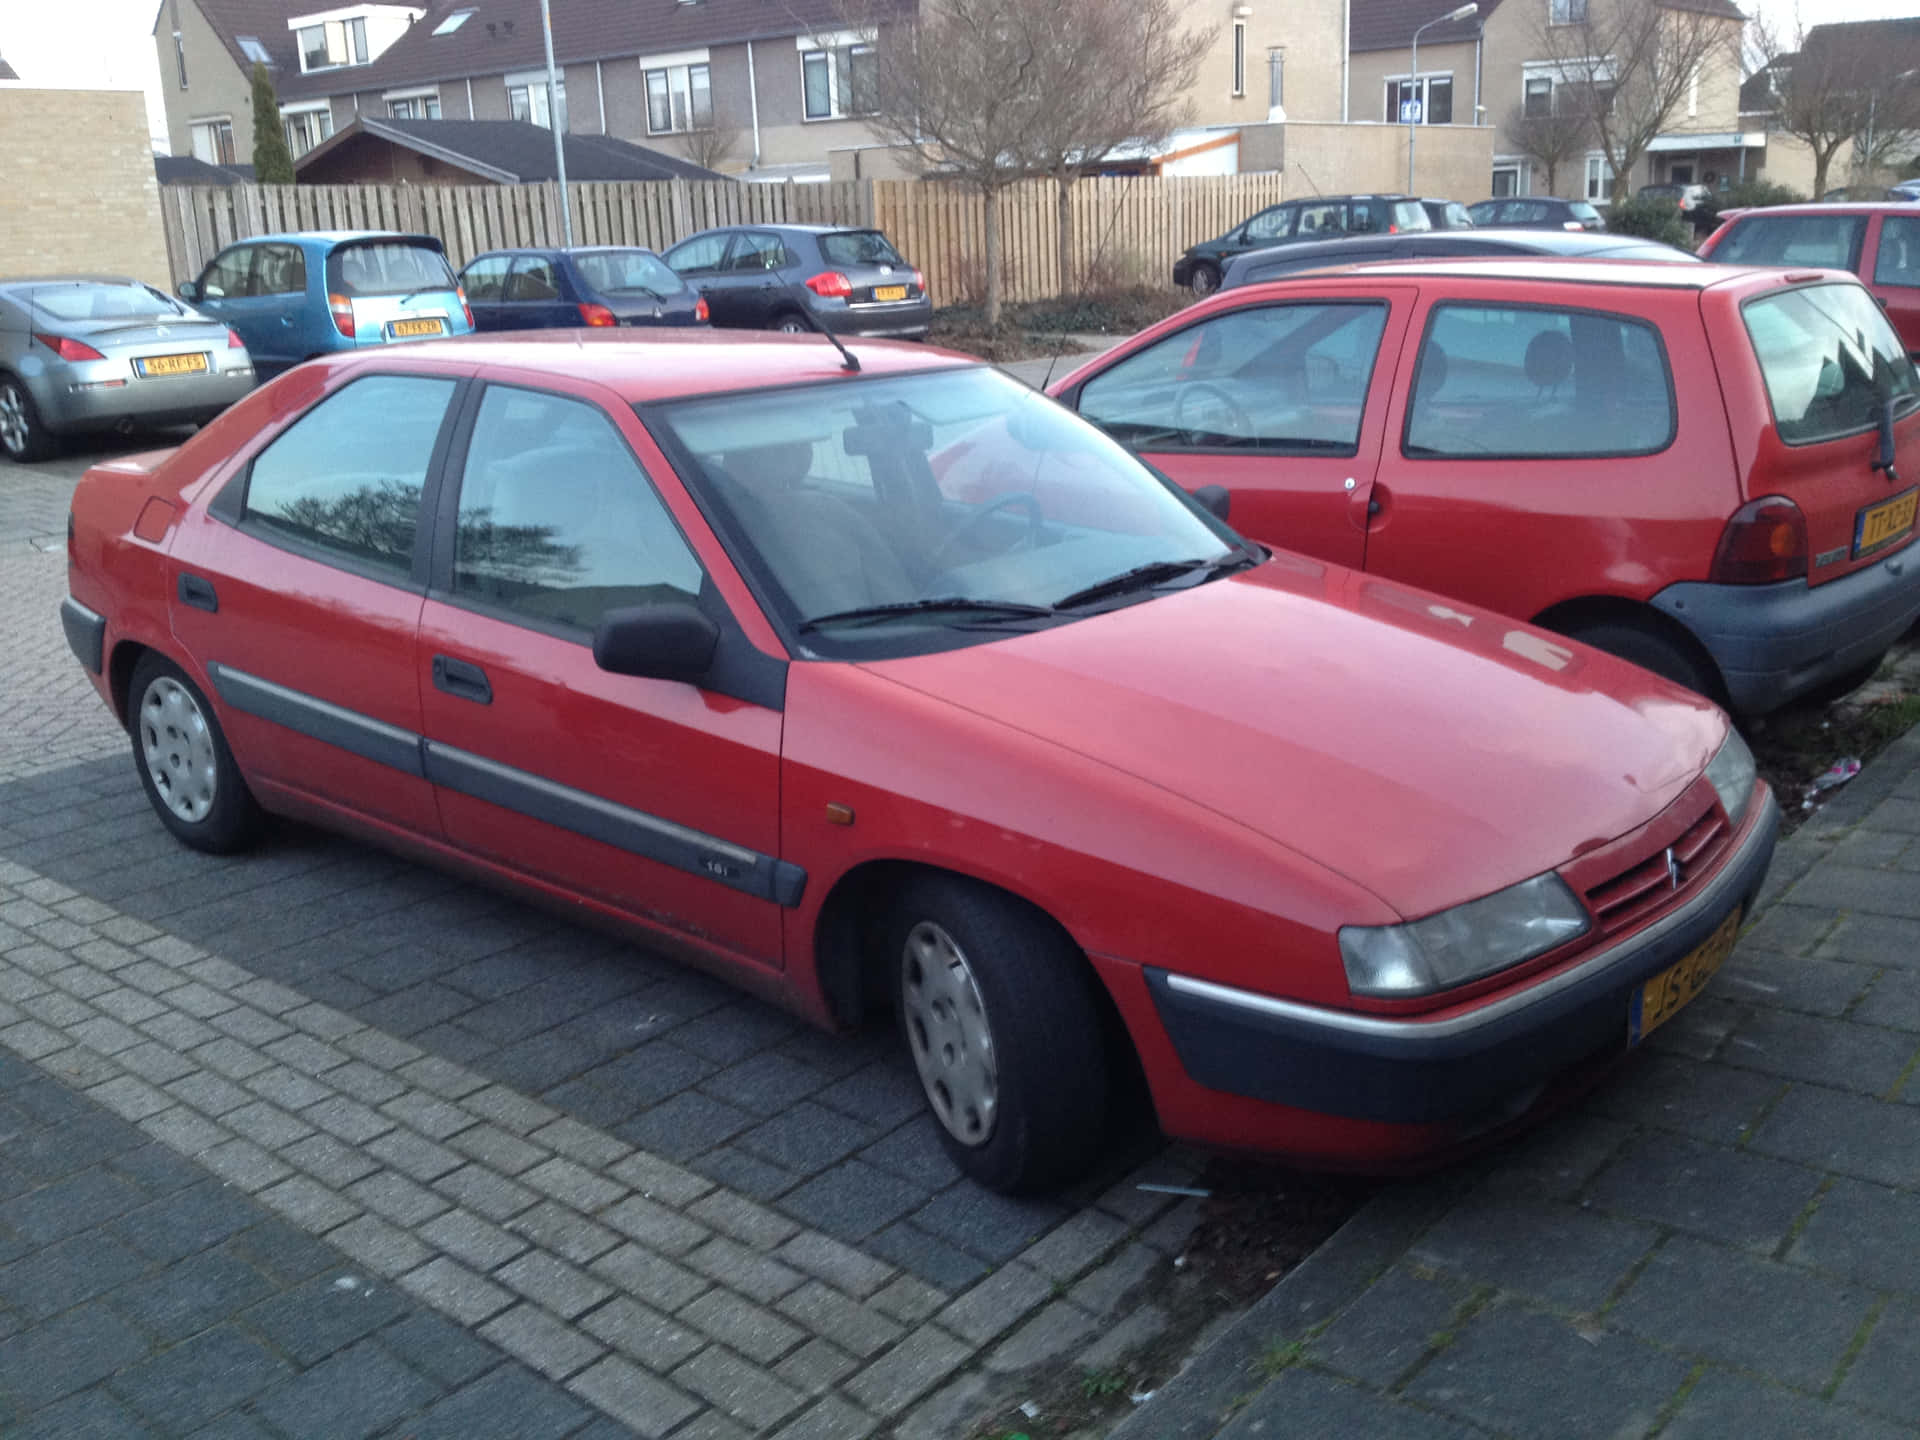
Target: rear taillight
(1393, 229)
(341, 309)
(1573, 224)
(234, 342)
(597, 316)
(1765, 541)
(831, 285)
(919, 281)
(465, 308)
(68, 349)
(700, 311)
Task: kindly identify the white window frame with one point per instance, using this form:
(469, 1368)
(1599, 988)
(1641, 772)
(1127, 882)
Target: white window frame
(212, 122)
(180, 57)
(534, 82)
(248, 45)
(681, 63)
(1693, 91)
(1239, 58)
(1527, 82)
(410, 95)
(827, 46)
(1423, 80)
(300, 117)
(1566, 12)
(1598, 173)
(353, 42)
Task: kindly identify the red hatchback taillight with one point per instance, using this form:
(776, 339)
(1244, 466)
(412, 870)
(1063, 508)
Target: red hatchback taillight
(700, 311)
(341, 309)
(831, 285)
(1765, 541)
(68, 349)
(598, 316)
(465, 308)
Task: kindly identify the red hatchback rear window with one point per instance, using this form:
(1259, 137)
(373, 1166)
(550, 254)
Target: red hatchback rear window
(1830, 360)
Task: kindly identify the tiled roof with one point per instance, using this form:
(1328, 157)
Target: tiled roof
(1865, 47)
(187, 170)
(262, 20)
(508, 151)
(1389, 24)
(1759, 91)
(7, 71)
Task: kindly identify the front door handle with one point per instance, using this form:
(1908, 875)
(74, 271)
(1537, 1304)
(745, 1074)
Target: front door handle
(462, 680)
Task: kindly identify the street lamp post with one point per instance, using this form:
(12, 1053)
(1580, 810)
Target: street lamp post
(1465, 12)
(554, 120)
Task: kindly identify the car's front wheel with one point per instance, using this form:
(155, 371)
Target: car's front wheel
(24, 437)
(1204, 280)
(185, 766)
(1000, 1016)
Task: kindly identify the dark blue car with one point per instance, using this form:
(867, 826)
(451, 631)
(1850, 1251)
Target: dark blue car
(541, 289)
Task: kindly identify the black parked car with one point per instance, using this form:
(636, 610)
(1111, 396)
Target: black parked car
(1298, 222)
(540, 289)
(771, 277)
(1276, 264)
(1447, 214)
(1537, 212)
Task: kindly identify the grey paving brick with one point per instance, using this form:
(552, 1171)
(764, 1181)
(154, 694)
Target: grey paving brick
(477, 1242)
(1885, 1376)
(191, 1295)
(996, 1227)
(656, 1226)
(906, 1372)
(512, 1403)
(131, 1098)
(839, 1265)
(449, 1286)
(633, 1397)
(92, 1414)
(248, 1025)
(184, 1222)
(199, 1001)
(57, 1277)
(568, 1137)
(1708, 1102)
(441, 1350)
(1105, 1290)
(378, 1049)
(267, 1125)
(572, 1184)
(486, 1193)
(154, 1063)
(751, 1224)
(415, 1155)
(1851, 1134)
(1301, 1401)
(105, 1035)
(432, 1117)
(683, 1126)
(229, 1057)
(498, 1149)
(565, 1289)
(733, 1265)
(399, 1199)
(349, 1119)
(209, 1093)
(323, 1315)
(1770, 1318)
(1560, 1254)
(639, 1270)
(323, 1021)
(68, 1206)
(1874, 940)
(1390, 1327)
(1728, 1195)
(268, 996)
(744, 1391)
(766, 1084)
(747, 1175)
(1893, 1001)
(1078, 1242)
(442, 1077)
(183, 1388)
(383, 1248)
(32, 1039)
(642, 1333)
(854, 1200)
(356, 1393)
(807, 1137)
(748, 1329)
(550, 1346)
(997, 1303)
(1724, 1405)
(1056, 1331)
(908, 1299)
(187, 1035)
(1864, 1232)
(128, 1006)
(1825, 1052)
(184, 1131)
(330, 1161)
(309, 1204)
(564, 1231)
(816, 1367)
(75, 1349)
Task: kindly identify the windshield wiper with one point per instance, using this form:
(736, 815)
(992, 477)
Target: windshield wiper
(930, 605)
(1154, 572)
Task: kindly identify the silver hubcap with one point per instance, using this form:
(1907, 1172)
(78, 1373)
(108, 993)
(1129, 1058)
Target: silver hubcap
(948, 1033)
(13, 420)
(177, 744)
(794, 327)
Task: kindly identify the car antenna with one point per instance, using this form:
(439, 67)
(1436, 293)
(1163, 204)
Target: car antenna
(852, 363)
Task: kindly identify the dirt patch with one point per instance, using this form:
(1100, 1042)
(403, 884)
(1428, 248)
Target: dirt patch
(1795, 746)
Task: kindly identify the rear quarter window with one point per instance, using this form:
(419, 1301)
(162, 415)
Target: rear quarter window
(1829, 241)
(859, 247)
(1411, 215)
(387, 268)
(1830, 361)
(1526, 382)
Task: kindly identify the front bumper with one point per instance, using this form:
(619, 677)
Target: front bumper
(1488, 1061)
(1774, 643)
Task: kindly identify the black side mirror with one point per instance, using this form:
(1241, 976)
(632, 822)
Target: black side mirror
(1214, 499)
(656, 642)
(188, 289)
(1884, 454)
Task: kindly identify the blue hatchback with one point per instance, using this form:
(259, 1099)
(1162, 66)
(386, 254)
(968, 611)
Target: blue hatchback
(541, 289)
(298, 295)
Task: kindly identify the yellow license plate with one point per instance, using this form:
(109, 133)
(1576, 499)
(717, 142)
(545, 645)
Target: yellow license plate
(172, 364)
(1889, 520)
(417, 327)
(1662, 997)
(889, 292)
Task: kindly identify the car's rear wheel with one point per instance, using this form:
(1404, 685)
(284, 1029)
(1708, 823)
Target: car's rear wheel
(24, 437)
(1204, 280)
(1651, 650)
(791, 323)
(999, 1014)
(185, 766)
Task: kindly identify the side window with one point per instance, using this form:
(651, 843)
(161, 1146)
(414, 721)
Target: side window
(533, 279)
(486, 279)
(1830, 360)
(699, 255)
(1521, 383)
(230, 276)
(757, 251)
(557, 520)
(1898, 262)
(1522, 212)
(1274, 224)
(1272, 378)
(1830, 241)
(347, 475)
(1320, 221)
(279, 270)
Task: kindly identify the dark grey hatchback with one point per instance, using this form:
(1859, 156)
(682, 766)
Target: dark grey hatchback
(774, 277)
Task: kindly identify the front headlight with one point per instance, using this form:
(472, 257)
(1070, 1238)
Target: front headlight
(1464, 943)
(1732, 774)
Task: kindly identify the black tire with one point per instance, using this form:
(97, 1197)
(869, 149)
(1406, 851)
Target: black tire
(1044, 1037)
(1204, 280)
(24, 437)
(790, 322)
(176, 733)
(1648, 648)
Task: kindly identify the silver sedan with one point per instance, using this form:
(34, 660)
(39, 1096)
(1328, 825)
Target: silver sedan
(94, 352)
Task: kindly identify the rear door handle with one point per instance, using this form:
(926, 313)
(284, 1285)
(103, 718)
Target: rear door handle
(199, 593)
(462, 680)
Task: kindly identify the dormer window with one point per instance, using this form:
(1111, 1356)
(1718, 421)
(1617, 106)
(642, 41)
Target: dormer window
(333, 43)
(251, 47)
(453, 22)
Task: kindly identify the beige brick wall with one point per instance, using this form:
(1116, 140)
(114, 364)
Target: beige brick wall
(81, 191)
(1307, 32)
(1450, 160)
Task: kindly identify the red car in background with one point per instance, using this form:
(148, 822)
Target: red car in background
(1708, 471)
(1878, 242)
(685, 636)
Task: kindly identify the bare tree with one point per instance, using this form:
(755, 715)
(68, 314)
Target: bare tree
(1630, 64)
(1113, 75)
(713, 146)
(1550, 137)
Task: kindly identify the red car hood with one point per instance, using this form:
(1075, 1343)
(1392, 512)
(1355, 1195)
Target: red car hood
(1428, 751)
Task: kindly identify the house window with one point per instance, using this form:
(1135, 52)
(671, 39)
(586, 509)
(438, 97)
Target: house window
(180, 57)
(1693, 92)
(1239, 57)
(527, 99)
(251, 47)
(1539, 95)
(333, 43)
(453, 22)
(838, 81)
(1276, 79)
(1506, 181)
(414, 107)
(1432, 93)
(213, 141)
(1567, 12)
(306, 128)
(679, 97)
(1599, 179)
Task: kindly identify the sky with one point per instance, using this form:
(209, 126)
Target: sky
(108, 44)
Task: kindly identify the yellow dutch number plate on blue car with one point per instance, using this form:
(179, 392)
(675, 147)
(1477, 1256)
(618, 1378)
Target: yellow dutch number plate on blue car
(400, 328)
(171, 364)
(1662, 997)
(889, 292)
(1889, 520)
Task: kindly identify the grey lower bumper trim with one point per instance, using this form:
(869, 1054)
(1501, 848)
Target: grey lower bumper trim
(86, 634)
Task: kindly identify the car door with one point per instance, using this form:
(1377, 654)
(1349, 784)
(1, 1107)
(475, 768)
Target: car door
(225, 290)
(298, 593)
(1272, 226)
(485, 282)
(748, 287)
(1280, 402)
(534, 299)
(1894, 274)
(276, 306)
(656, 797)
(700, 262)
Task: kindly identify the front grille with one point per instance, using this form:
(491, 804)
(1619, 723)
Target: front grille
(1649, 886)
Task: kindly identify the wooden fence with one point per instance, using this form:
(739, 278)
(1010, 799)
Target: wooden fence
(1123, 230)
